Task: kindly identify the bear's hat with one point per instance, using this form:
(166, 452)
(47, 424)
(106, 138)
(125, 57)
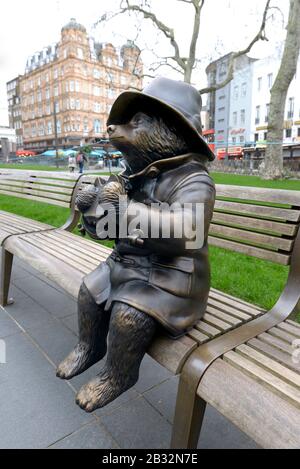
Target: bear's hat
(177, 101)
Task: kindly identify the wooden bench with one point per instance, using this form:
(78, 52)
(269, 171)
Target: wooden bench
(54, 188)
(257, 222)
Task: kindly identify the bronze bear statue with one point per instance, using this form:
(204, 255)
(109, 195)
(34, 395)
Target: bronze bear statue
(148, 283)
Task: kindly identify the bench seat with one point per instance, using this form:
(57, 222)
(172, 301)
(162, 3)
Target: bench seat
(66, 258)
(264, 365)
(11, 224)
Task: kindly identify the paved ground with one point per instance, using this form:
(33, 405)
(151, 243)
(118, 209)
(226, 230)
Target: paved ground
(38, 410)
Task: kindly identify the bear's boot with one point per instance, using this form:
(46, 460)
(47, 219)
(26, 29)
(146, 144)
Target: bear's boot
(93, 324)
(130, 334)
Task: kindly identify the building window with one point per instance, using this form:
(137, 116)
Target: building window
(291, 108)
(270, 80)
(97, 126)
(67, 87)
(265, 136)
(242, 139)
(41, 130)
(77, 86)
(58, 127)
(56, 90)
(259, 84)
(77, 105)
(267, 112)
(244, 90)
(85, 125)
(39, 96)
(97, 107)
(234, 140)
(72, 103)
(288, 133)
(33, 131)
(72, 85)
(47, 93)
(96, 73)
(79, 53)
(298, 131)
(257, 115)
(38, 82)
(48, 110)
(55, 74)
(96, 90)
(235, 118)
(243, 116)
(56, 106)
(49, 128)
(236, 92)
(256, 137)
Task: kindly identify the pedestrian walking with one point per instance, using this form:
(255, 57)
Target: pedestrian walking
(72, 163)
(81, 158)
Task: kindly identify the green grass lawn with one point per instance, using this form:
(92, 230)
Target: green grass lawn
(251, 279)
(31, 167)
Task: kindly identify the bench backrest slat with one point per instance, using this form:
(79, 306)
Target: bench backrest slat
(53, 188)
(258, 222)
(255, 221)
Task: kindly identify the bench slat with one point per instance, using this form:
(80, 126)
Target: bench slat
(172, 354)
(276, 332)
(276, 342)
(277, 385)
(225, 296)
(43, 181)
(207, 329)
(70, 255)
(31, 185)
(215, 322)
(259, 194)
(274, 423)
(269, 364)
(255, 224)
(264, 254)
(275, 353)
(224, 317)
(21, 222)
(198, 336)
(56, 254)
(261, 211)
(291, 329)
(237, 235)
(36, 199)
(89, 246)
(234, 308)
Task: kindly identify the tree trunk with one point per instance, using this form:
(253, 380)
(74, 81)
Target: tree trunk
(287, 71)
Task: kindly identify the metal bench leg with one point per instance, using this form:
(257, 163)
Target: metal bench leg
(189, 414)
(6, 267)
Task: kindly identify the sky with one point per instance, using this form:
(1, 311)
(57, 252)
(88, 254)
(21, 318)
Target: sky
(29, 25)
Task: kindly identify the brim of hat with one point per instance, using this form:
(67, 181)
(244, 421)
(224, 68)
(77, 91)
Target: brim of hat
(131, 102)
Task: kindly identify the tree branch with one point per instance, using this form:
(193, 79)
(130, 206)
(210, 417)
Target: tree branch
(168, 32)
(260, 36)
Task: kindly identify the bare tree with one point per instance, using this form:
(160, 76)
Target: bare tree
(287, 71)
(181, 64)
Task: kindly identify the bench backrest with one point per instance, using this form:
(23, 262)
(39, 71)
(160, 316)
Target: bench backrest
(255, 221)
(258, 222)
(53, 188)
